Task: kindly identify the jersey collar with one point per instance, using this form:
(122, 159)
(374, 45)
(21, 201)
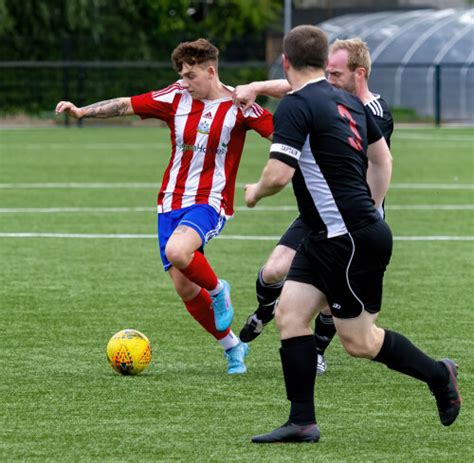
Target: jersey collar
(319, 79)
(376, 96)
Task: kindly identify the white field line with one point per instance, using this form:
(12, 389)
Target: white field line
(61, 210)
(137, 185)
(131, 146)
(73, 185)
(431, 186)
(222, 237)
(446, 138)
(87, 146)
(430, 207)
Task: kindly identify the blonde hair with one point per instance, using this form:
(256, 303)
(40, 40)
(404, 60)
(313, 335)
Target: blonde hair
(358, 53)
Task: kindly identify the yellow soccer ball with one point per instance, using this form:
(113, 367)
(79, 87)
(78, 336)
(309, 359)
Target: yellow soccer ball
(129, 352)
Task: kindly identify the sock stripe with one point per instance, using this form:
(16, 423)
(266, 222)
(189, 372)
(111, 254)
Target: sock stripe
(326, 319)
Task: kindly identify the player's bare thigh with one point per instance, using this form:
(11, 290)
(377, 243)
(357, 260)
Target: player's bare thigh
(278, 264)
(299, 304)
(360, 336)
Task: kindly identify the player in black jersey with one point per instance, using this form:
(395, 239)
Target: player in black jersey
(348, 67)
(324, 139)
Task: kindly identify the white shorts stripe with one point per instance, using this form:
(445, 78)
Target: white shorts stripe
(347, 272)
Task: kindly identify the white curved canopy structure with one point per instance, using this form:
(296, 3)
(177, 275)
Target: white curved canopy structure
(416, 54)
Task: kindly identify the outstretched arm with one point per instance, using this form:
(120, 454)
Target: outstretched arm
(244, 95)
(102, 109)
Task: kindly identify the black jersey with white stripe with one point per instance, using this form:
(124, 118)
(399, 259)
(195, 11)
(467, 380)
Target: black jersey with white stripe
(323, 132)
(382, 115)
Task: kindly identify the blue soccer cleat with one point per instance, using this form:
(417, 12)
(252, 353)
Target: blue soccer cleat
(235, 358)
(222, 306)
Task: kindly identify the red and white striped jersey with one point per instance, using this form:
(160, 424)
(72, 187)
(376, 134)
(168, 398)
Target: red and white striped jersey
(207, 140)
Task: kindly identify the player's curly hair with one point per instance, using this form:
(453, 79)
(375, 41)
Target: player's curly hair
(358, 53)
(198, 52)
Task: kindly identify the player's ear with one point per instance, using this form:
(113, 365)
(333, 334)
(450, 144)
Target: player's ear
(361, 73)
(285, 63)
(211, 70)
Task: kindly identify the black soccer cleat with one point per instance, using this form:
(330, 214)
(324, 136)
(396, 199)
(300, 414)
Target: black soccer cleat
(321, 365)
(290, 432)
(448, 398)
(253, 327)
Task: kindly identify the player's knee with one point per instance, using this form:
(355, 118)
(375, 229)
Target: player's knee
(278, 264)
(358, 347)
(354, 350)
(275, 271)
(282, 318)
(289, 322)
(176, 255)
(326, 311)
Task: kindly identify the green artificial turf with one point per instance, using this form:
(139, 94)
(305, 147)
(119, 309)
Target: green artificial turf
(62, 298)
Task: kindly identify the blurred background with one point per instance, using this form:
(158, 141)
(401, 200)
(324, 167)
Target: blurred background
(91, 50)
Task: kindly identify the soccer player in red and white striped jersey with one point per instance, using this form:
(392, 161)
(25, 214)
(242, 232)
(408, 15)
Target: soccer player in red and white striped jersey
(207, 134)
(207, 138)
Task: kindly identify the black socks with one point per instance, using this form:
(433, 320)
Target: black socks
(324, 331)
(267, 295)
(298, 359)
(399, 354)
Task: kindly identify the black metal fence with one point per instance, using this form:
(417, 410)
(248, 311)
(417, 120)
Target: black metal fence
(439, 92)
(34, 88)
(442, 92)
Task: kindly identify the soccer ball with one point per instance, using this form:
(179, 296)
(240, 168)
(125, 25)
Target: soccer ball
(129, 352)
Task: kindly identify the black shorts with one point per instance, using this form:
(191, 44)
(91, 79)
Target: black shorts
(348, 269)
(294, 234)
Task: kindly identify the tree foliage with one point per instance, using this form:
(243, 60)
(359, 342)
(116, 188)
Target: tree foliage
(126, 29)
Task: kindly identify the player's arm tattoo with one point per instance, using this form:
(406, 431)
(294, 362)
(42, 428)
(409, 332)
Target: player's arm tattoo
(107, 108)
